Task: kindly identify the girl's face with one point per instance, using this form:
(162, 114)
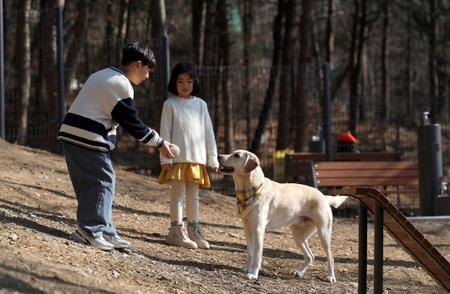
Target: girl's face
(185, 85)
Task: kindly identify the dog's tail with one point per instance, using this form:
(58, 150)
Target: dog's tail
(336, 201)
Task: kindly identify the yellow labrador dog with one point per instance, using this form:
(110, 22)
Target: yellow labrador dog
(264, 205)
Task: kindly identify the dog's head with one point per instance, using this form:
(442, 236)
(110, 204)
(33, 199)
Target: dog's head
(240, 161)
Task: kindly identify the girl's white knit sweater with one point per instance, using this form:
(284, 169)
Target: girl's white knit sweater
(187, 123)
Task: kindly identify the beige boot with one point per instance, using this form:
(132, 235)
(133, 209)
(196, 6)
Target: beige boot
(195, 234)
(178, 237)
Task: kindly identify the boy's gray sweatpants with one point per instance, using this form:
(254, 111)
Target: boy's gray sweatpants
(93, 179)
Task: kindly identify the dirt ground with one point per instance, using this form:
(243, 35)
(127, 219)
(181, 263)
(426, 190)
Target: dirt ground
(37, 216)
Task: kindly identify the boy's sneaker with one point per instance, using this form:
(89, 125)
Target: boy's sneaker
(195, 234)
(116, 241)
(81, 236)
(178, 237)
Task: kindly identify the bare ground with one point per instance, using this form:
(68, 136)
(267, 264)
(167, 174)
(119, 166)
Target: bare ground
(37, 216)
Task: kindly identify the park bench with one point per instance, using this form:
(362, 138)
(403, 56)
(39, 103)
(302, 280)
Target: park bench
(346, 156)
(390, 177)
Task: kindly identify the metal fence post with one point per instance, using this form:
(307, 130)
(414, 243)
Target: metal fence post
(2, 77)
(60, 65)
(327, 111)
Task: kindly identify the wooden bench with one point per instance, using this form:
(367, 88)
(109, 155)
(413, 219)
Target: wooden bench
(388, 176)
(345, 156)
(295, 164)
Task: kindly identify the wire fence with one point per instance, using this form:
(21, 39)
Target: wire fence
(236, 97)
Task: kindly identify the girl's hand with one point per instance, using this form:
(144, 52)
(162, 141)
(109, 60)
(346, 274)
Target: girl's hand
(166, 166)
(214, 168)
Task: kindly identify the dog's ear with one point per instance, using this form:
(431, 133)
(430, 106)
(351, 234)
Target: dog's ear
(251, 163)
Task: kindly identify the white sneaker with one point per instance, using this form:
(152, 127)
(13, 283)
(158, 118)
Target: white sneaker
(116, 241)
(195, 234)
(81, 236)
(178, 237)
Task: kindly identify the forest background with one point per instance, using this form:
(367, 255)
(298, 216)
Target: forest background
(260, 63)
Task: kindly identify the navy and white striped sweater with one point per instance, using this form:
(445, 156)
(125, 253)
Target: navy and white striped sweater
(105, 102)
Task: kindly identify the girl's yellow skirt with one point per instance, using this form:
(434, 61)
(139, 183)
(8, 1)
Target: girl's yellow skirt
(186, 172)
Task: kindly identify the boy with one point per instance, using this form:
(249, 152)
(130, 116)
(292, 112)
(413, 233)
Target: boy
(88, 134)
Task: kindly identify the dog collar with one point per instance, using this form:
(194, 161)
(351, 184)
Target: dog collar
(247, 199)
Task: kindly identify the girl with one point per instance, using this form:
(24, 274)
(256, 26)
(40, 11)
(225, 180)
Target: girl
(185, 121)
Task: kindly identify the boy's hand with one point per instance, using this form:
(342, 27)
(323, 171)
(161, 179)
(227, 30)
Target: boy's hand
(165, 150)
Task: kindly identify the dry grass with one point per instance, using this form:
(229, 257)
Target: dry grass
(37, 215)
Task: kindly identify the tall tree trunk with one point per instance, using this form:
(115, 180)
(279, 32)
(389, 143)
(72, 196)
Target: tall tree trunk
(208, 39)
(285, 80)
(434, 105)
(49, 57)
(384, 111)
(330, 34)
(225, 50)
(122, 34)
(351, 66)
(277, 29)
(248, 20)
(24, 65)
(73, 55)
(197, 15)
(209, 44)
(304, 60)
(359, 59)
(364, 77)
(122, 28)
(110, 21)
(408, 70)
(129, 19)
(357, 42)
(159, 30)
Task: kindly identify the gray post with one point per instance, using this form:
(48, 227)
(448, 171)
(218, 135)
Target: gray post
(60, 64)
(2, 77)
(429, 149)
(327, 111)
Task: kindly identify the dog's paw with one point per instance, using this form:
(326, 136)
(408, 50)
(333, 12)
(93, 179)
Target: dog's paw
(252, 276)
(298, 273)
(331, 279)
(245, 269)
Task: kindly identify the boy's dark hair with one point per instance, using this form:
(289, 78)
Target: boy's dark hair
(179, 69)
(138, 52)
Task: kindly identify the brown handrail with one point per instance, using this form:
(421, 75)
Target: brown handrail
(386, 215)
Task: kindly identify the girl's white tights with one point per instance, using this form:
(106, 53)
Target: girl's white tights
(177, 193)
